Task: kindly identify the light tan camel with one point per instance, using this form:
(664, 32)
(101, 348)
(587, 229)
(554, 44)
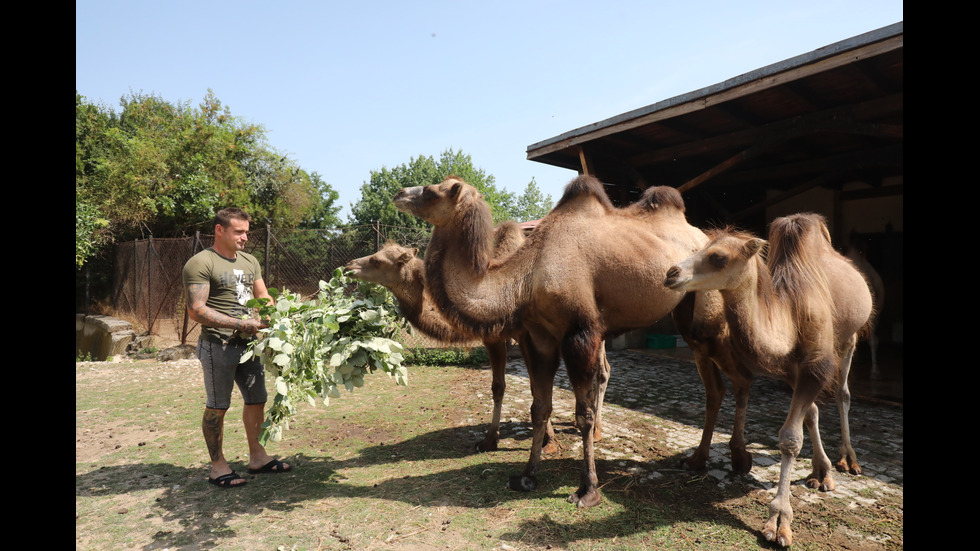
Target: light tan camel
(399, 269)
(795, 316)
(588, 271)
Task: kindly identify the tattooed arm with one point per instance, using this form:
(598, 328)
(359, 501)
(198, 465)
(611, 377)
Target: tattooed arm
(199, 311)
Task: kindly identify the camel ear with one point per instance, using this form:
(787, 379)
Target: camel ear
(405, 257)
(753, 246)
(455, 189)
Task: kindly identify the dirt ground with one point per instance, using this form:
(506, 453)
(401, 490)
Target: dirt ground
(645, 434)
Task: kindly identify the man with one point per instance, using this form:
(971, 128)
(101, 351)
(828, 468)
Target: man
(218, 282)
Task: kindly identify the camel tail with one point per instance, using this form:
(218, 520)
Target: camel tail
(584, 185)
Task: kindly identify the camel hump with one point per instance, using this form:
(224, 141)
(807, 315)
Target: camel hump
(585, 186)
(508, 237)
(659, 197)
(799, 246)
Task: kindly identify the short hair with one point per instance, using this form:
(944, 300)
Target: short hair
(225, 216)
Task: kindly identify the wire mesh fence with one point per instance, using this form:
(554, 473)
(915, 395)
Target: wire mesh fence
(147, 272)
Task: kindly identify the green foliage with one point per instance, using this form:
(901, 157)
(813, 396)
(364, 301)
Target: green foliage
(532, 204)
(446, 356)
(375, 204)
(325, 210)
(166, 168)
(314, 348)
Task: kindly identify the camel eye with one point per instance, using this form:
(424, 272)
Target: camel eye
(374, 261)
(718, 260)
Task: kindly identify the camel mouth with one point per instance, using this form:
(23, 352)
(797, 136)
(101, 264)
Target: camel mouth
(352, 269)
(674, 279)
(403, 199)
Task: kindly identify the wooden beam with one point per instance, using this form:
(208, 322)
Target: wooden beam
(585, 163)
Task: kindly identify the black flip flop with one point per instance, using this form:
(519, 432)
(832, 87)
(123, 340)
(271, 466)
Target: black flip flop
(274, 466)
(225, 480)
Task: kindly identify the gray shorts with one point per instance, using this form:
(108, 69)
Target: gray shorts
(222, 371)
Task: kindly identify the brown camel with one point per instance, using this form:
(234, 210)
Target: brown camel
(701, 321)
(589, 271)
(795, 316)
(398, 269)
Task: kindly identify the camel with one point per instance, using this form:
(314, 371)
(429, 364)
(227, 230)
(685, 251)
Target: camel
(701, 321)
(858, 254)
(795, 316)
(589, 271)
(399, 269)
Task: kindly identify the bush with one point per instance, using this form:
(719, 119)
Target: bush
(446, 356)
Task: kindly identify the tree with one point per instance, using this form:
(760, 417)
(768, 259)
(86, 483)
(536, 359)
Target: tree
(165, 168)
(91, 227)
(325, 210)
(375, 203)
(531, 205)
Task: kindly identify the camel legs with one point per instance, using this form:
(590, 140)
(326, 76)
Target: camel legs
(714, 393)
(873, 343)
(584, 361)
(714, 390)
(802, 409)
(497, 354)
(602, 381)
(542, 364)
(741, 458)
(848, 461)
(821, 477)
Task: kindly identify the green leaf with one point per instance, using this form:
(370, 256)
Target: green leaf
(333, 340)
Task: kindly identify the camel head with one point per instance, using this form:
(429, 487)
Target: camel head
(461, 217)
(439, 203)
(388, 267)
(719, 265)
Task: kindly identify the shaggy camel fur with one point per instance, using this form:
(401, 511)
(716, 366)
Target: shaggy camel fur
(588, 271)
(795, 316)
(399, 269)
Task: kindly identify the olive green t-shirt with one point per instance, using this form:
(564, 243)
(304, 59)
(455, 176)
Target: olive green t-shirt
(230, 281)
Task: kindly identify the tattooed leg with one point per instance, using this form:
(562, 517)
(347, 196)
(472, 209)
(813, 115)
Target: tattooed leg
(213, 428)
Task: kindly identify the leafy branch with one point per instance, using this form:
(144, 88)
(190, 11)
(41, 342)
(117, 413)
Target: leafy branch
(314, 348)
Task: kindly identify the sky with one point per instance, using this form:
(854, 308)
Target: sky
(345, 88)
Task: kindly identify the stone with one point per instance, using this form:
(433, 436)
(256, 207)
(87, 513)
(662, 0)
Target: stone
(179, 352)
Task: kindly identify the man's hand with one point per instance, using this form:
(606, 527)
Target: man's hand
(251, 326)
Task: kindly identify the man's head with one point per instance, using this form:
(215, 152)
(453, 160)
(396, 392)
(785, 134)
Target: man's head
(231, 230)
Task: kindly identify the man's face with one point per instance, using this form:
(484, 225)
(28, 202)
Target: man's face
(233, 236)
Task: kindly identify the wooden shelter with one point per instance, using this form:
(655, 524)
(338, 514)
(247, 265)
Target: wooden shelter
(818, 132)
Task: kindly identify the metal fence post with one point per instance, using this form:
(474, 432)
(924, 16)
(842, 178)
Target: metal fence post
(268, 252)
(149, 285)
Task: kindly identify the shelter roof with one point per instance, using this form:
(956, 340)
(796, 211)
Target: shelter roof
(825, 118)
